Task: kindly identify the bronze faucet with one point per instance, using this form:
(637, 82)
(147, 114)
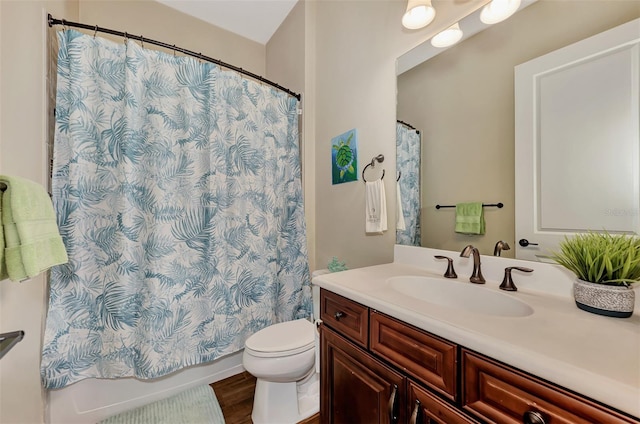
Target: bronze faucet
(499, 247)
(476, 276)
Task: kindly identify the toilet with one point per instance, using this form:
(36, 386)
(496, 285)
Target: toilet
(283, 359)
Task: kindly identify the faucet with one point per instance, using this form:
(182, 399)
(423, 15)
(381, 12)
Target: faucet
(500, 246)
(476, 277)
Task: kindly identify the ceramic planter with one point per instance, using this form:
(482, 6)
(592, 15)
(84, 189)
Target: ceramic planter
(611, 301)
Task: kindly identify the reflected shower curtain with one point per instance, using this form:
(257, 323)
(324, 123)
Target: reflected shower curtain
(408, 163)
(178, 194)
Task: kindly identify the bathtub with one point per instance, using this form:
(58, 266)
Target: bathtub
(91, 400)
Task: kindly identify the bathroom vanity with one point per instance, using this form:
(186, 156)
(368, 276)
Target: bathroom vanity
(392, 352)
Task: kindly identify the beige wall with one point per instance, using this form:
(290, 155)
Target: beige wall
(463, 100)
(22, 152)
(356, 45)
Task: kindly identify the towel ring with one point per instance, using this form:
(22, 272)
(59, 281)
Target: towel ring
(379, 159)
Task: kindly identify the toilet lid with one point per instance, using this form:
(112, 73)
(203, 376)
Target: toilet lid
(285, 338)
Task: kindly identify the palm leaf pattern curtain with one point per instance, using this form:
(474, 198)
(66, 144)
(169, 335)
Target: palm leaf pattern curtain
(408, 163)
(178, 195)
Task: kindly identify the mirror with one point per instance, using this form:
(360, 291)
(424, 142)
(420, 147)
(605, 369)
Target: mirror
(462, 101)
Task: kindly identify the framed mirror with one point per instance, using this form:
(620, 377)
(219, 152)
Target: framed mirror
(462, 101)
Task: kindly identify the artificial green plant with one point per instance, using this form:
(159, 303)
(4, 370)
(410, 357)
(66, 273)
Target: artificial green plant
(601, 258)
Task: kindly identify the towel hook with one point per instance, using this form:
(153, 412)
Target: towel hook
(379, 159)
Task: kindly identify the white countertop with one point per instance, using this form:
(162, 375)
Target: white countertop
(594, 355)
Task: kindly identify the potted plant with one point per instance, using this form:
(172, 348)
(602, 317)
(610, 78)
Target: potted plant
(606, 266)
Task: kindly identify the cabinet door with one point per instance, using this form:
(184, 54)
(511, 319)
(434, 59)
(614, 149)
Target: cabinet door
(355, 387)
(426, 408)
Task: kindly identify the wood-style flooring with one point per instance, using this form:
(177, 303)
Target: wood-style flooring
(235, 395)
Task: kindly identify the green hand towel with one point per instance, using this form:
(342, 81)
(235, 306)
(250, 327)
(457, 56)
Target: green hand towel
(470, 218)
(32, 243)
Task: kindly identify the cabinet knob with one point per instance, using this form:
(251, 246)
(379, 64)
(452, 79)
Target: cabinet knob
(533, 417)
(338, 315)
(415, 414)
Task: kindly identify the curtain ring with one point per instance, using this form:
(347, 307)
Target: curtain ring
(126, 37)
(64, 25)
(174, 50)
(142, 41)
(95, 31)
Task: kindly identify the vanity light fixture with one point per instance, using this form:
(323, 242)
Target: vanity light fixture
(419, 14)
(498, 10)
(448, 37)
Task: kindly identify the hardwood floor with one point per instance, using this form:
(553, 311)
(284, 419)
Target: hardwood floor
(235, 395)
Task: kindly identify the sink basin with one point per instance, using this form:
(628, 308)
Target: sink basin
(455, 294)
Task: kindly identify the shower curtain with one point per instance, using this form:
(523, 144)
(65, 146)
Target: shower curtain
(178, 195)
(408, 163)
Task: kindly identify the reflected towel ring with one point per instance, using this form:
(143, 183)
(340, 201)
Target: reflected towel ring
(379, 159)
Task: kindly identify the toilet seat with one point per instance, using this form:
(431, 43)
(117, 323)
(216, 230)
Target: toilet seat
(283, 339)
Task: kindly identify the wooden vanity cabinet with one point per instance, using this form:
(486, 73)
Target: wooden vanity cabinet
(377, 369)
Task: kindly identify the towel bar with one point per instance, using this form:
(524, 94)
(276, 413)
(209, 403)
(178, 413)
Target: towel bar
(498, 205)
(9, 340)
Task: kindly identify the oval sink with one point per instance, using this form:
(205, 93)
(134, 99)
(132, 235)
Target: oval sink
(454, 294)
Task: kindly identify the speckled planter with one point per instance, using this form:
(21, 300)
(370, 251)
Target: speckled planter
(611, 301)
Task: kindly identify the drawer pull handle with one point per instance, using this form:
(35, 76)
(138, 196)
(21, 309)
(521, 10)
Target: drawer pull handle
(533, 417)
(338, 315)
(392, 404)
(415, 414)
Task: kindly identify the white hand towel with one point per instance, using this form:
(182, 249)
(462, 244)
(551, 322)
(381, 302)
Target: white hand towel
(375, 207)
(400, 225)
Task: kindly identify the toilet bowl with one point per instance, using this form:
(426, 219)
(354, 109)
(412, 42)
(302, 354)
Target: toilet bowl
(282, 357)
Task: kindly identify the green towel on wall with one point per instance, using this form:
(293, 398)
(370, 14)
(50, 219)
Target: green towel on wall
(32, 243)
(470, 218)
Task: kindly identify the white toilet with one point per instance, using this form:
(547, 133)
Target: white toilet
(283, 359)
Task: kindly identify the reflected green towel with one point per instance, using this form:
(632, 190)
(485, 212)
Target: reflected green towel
(32, 243)
(470, 218)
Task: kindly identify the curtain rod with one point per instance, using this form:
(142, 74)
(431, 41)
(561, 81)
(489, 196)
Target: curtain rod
(53, 21)
(407, 125)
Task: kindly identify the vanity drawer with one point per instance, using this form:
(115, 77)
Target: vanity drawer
(349, 318)
(429, 359)
(502, 394)
(426, 407)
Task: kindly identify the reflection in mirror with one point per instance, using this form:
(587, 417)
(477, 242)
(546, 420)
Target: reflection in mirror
(408, 184)
(462, 100)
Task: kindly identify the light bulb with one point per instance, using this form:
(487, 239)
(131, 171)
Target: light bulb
(498, 10)
(448, 37)
(419, 14)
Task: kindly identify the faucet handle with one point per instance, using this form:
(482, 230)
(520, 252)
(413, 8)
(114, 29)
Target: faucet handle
(507, 281)
(451, 273)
